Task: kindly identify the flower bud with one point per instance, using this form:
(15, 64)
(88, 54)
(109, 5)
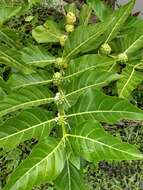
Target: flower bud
(70, 18)
(57, 78)
(59, 99)
(69, 28)
(105, 49)
(122, 58)
(63, 38)
(60, 63)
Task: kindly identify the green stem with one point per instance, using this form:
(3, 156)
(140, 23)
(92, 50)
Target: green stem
(62, 113)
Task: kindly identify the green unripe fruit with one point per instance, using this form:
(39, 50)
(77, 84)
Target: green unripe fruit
(69, 28)
(70, 18)
(122, 58)
(63, 38)
(105, 49)
(60, 63)
(57, 78)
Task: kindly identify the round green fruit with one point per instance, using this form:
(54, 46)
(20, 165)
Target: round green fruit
(69, 28)
(122, 58)
(105, 49)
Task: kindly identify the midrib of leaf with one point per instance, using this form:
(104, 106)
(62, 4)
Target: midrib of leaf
(69, 175)
(117, 24)
(33, 83)
(105, 145)
(42, 61)
(97, 111)
(86, 69)
(52, 152)
(130, 77)
(84, 88)
(14, 108)
(132, 45)
(27, 129)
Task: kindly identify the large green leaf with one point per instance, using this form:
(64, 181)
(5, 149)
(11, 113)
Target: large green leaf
(24, 98)
(36, 56)
(70, 178)
(101, 10)
(7, 11)
(82, 38)
(18, 80)
(96, 105)
(11, 57)
(92, 143)
(49, 32)
(132, 41)
(95, 78)
(9, 37)
(131, 78)
(44, 164)
(32, 123)
(118, 18)
(88, 62)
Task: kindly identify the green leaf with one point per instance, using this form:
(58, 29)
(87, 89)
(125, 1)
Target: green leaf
(11, 57)
(18, 80)
(118, 19)
(101, 10)
(95, 78)
(132, 41)
(88, 62)
(9, 37)
(82, 38)
(85, 14)
(70, 178)
(44, 164)
(32, 123)
(36, 56)
(24, 98)
(49, 32)
(93, 144)
(131, 78)
(96, 105)
(7, 11)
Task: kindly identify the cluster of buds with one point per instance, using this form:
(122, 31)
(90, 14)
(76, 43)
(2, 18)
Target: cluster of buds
(60, 120)
(70, 21)
(60, 63)
(57, 78)
(105, 49)
(122, 58)
(59, 99)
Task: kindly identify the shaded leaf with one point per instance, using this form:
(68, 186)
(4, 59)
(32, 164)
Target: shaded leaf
(70, 178)
(131, 78)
